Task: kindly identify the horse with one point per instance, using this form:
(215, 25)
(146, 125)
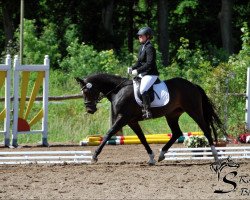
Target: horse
(184, 97)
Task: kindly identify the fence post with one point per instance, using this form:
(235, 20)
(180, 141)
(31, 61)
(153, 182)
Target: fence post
(112, 121)
(5, 114)
(7, 102)
(45, 103)
(247, 114)
(15, 101)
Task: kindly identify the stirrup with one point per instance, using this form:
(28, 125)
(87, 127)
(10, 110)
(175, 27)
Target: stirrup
(146, 114)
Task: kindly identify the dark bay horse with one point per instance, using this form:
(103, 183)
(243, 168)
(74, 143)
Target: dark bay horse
(184, 97)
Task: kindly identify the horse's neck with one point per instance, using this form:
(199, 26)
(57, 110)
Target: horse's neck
(107, 85)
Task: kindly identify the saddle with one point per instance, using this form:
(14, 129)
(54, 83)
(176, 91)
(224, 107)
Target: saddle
(151, 91)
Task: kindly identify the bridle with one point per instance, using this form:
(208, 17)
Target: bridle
(97, 100)
(88, 86)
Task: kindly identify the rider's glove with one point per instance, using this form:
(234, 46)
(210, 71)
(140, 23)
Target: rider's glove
(129, 70)
(135, 72)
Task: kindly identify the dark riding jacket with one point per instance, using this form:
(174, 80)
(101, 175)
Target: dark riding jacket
(146, 64)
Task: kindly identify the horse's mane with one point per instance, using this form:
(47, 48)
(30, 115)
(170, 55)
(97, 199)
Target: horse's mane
(104, 77)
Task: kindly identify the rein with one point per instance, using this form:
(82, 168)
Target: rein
(105, 95)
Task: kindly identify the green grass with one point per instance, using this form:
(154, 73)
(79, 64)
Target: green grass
(69, 123)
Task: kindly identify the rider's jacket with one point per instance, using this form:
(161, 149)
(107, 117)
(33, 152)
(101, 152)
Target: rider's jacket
(146, 63)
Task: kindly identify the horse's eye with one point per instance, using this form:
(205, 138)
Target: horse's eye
(85, 90)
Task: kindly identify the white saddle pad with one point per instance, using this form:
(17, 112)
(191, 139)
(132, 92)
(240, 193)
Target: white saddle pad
(161, 90)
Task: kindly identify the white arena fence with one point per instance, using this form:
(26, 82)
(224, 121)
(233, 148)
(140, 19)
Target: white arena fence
(23, 118)
(5, 84)
(206, 154)
(44, 157)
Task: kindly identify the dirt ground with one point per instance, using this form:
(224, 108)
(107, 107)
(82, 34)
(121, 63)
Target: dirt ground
(121, 173)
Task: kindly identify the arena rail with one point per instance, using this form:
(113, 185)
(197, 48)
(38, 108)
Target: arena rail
(206, 154)
(44, 157)
(50, 98)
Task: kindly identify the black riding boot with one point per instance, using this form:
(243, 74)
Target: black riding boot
(146, 113)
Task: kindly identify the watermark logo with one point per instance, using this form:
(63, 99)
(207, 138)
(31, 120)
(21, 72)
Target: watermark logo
(228, 177)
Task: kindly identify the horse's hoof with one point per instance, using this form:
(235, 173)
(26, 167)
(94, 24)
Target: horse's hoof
(151, 162)
(151, 159)
(161, 156)
(161, 159)
(94, 159)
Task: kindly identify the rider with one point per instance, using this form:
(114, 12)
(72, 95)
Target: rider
(146, 68)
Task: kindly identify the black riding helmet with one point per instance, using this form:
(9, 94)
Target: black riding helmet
(146, 31)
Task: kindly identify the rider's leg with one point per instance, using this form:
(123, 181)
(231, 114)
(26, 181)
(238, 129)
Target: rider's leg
(146, 82)
(146, 105)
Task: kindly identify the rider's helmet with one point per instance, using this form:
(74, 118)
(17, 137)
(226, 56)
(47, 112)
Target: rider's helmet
(146, 31)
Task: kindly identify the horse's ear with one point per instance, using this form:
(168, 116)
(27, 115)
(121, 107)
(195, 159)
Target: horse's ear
(80, 81)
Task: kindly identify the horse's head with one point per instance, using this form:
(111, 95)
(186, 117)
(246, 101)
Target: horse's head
(90, 95)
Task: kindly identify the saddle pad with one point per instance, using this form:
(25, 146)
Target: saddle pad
(161, 90)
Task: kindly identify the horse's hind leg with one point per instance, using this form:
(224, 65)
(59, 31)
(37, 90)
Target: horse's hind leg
(176, 133)
(199, 119)
(138, 131)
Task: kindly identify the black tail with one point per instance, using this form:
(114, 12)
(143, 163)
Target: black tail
(210, 115)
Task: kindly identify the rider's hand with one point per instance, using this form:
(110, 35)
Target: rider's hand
(135, 72)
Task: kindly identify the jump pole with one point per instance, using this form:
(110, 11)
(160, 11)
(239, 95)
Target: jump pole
(21, 123)
(5, 113)
(96, 140)
(45, 157)
(247, 114)
(204, 153)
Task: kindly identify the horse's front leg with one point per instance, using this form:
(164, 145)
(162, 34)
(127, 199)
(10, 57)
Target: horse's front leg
(138, 131)
(119, 123)
(176, 133)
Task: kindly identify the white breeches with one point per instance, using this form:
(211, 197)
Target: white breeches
(146, 82)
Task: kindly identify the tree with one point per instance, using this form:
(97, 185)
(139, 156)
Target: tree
(130, 23)
(8, 23)
(163, 38)
(225, 17)
(107, 22)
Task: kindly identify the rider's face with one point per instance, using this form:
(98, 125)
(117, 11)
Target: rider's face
(142, 38)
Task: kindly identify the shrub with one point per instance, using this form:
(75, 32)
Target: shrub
(36, 47)
(217, 80)
(196, 141)
(193, 65)
(230, 77)
(83, 59)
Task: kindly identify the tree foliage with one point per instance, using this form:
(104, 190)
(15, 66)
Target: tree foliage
(195, 20)
(83, 37)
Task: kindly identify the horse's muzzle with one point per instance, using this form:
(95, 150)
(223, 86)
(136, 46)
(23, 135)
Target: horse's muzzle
(91, 109)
